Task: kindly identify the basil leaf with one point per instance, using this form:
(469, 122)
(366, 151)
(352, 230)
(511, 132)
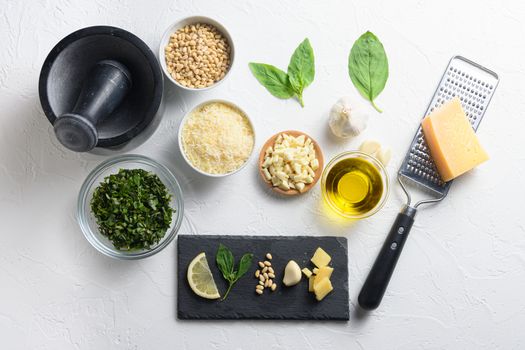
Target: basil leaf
(368, 66)
(301, 69)
(224, 261)
(244, 265)
(273, 79)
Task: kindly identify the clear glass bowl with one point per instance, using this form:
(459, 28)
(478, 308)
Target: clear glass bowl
(382, 172)
(87, 220)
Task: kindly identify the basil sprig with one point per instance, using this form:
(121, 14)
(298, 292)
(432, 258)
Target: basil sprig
(132, 209)
(368, 67)
(226, 264)
(301, 73)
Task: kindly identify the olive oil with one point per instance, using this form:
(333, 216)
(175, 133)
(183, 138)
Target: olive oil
(354, 186)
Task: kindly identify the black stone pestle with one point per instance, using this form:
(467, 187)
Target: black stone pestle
(104, 89)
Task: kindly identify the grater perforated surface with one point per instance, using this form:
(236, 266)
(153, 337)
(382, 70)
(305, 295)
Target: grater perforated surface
(474, 85)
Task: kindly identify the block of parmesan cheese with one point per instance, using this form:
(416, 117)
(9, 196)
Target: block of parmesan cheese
(320, 258)
(322, 288)
(453, 144)
(324, 272)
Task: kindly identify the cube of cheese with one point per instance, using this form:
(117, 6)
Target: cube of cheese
(311, 282)
(322, 288)
(321, 258)
(324, 272)
(307, 272)
(453, 143)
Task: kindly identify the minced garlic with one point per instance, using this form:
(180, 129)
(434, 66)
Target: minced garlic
(217, 138)
(291, 162)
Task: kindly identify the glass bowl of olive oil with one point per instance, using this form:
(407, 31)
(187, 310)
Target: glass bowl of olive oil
(355, 185)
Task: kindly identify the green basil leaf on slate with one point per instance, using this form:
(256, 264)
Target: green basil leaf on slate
(224, 261)
(244, 265)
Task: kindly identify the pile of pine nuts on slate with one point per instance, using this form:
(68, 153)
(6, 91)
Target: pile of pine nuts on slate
(197, 55)
(266, 275)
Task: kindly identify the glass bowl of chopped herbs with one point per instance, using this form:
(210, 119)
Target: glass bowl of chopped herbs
(130, 207)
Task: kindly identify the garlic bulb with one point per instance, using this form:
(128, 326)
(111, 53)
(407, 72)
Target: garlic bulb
(348, 117)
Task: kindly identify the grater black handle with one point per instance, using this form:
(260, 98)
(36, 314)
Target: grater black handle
(379, 276)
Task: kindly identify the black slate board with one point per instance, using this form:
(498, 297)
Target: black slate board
(286, 303)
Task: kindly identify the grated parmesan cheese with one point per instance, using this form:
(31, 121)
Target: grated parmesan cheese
(217, 138)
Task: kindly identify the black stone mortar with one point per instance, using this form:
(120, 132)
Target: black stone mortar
(68, 82)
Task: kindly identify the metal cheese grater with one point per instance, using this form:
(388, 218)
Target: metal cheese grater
(474, 85)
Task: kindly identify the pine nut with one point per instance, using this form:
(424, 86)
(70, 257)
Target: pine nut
(261, 283)
(271, 275)
(259, 287)
(270, 270)
(262, 278)
(258, 291)
(267, 263)
(270, 283)
(265, 276)
(266, 283)
(261, 264)
(268, 256)
(257, 273)
(265, 269)
(274, 287)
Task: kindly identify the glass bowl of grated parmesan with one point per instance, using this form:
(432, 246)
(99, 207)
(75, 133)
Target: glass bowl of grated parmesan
(216, 138)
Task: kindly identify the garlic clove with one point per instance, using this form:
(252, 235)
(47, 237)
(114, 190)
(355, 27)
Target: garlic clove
(370, 147)
(373, 148)
(384, 155)
(292, 274)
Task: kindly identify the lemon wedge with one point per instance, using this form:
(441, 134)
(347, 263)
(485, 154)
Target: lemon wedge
(200, 278)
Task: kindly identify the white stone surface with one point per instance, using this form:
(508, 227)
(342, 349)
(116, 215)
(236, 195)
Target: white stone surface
(459, 283)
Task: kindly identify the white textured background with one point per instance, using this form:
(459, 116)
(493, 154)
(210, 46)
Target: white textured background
(459, 283)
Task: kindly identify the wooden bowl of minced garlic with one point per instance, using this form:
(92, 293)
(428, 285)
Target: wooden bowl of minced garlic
(291, 162)
(216, 138)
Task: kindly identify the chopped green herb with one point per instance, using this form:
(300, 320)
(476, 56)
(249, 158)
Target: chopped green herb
(132, 209)
(226, 264)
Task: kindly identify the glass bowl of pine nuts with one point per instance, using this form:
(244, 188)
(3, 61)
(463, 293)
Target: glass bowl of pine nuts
(196, 53)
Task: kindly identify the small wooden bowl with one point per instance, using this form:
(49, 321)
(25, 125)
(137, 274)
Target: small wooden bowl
(318, 154)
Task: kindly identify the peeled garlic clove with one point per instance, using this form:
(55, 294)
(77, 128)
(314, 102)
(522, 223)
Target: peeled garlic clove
(292, 274)
(370, 147)
(348, 117)
(284, 185)
(384, 155)
(315, 164)
(267, 174)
